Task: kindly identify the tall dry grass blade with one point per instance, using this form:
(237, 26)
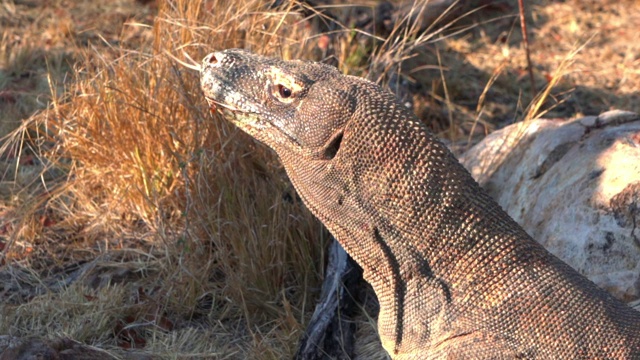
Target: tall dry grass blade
(537, 104)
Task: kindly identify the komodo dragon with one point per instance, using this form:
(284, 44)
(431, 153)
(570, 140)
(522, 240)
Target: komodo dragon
(455, 276)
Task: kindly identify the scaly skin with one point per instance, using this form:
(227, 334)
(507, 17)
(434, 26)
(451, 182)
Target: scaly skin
(456, 277)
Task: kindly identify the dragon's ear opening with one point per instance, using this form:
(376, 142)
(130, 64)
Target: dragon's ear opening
(334, 145)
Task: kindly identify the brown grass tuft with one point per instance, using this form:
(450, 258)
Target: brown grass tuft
(142, 164)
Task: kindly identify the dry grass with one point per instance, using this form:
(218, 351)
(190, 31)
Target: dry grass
(207, 257)
(130, 217)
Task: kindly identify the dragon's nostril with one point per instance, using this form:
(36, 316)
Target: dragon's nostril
(211, 59)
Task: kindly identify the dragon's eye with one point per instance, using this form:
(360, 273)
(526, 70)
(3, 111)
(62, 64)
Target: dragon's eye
(282, 86)
(284, 91)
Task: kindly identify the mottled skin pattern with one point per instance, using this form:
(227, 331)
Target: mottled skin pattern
(456, 277)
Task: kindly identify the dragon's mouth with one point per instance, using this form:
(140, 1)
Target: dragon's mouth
(216, 105)
(213, 104)
(234, 114)
(219, 107)
(249, 121)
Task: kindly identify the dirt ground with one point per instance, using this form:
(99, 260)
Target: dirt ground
(132, 222)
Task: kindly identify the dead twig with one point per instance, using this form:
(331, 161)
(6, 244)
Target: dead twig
(525, 40)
